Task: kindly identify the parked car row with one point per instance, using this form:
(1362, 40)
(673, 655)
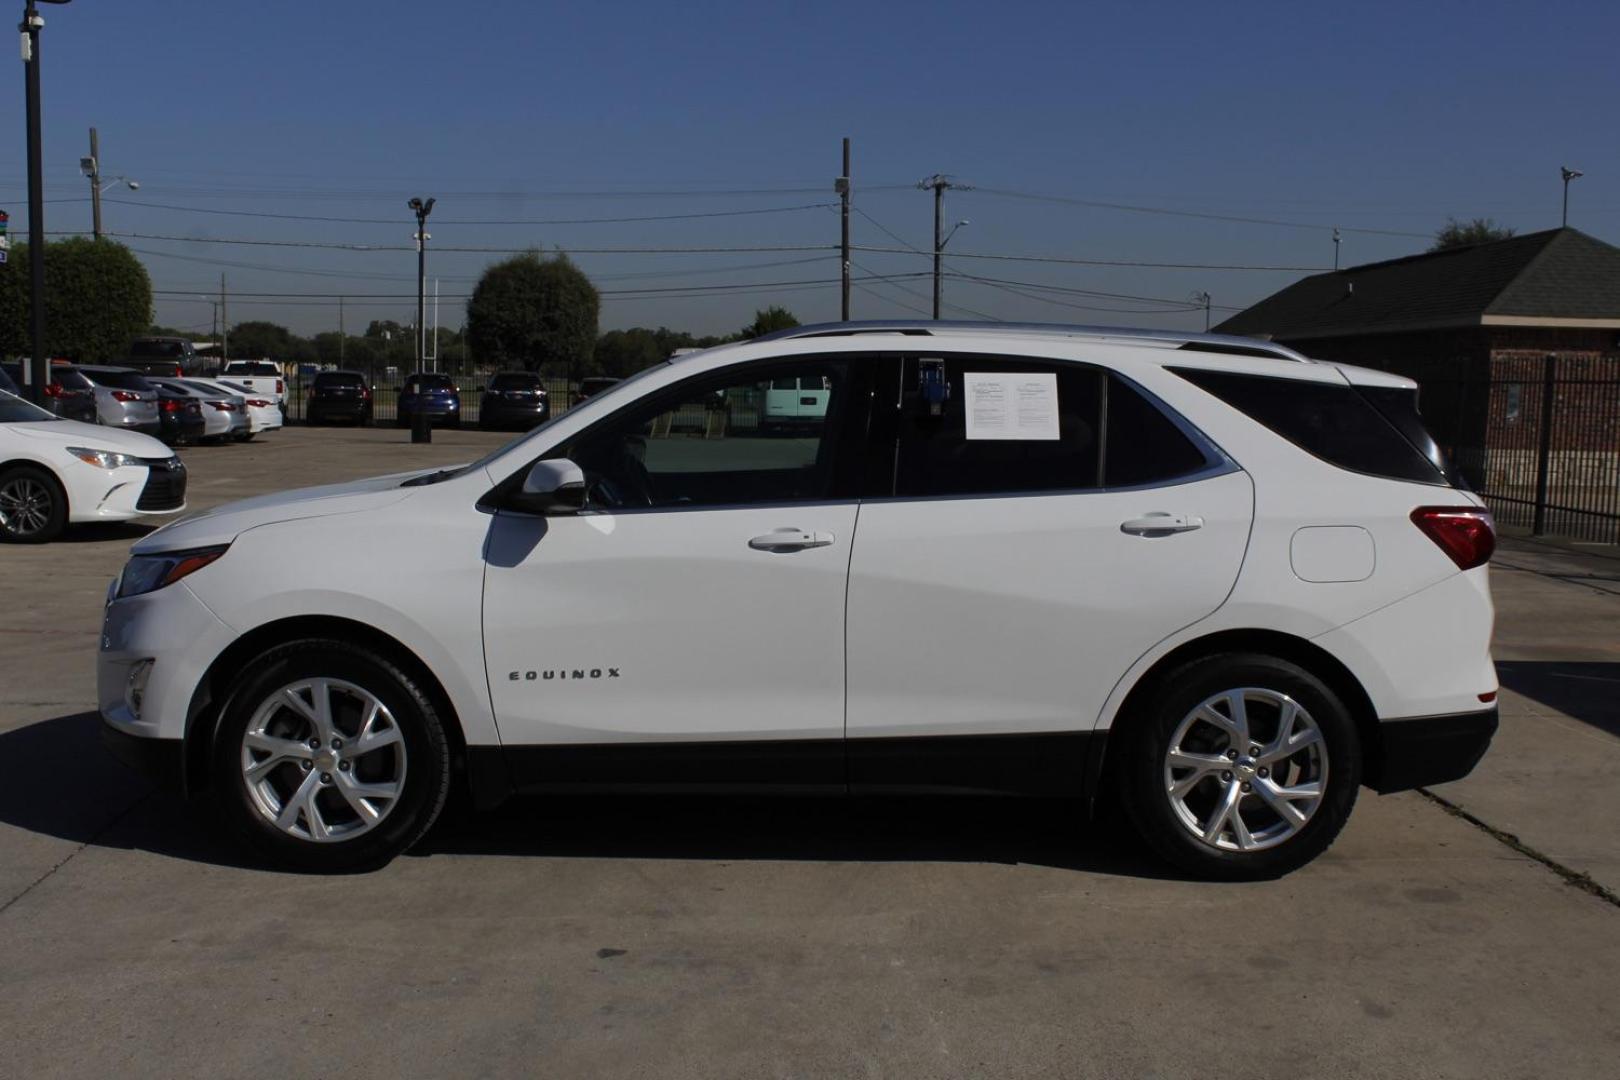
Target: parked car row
(57, 471)
(511, 400)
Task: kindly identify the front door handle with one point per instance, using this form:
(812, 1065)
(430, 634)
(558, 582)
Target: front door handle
(1161, 524)
(784, 540)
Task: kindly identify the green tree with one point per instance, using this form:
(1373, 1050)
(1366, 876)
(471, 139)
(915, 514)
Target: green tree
(767, 321)
(256, 339)
(1455, 234)
(97, 300)
(529, 311)
(625, 352)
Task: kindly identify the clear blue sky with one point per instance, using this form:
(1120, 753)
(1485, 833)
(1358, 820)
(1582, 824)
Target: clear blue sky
(1384, 116)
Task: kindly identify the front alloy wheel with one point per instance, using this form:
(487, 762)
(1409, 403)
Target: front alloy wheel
(323, 760)
(329, 756)
(32, 509)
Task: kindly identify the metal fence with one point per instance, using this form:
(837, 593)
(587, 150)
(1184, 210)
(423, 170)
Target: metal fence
(1539, 438)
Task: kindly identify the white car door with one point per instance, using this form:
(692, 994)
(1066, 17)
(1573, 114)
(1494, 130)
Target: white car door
(1021, 567)
(698, 600)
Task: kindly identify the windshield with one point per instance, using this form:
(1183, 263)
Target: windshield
(432, 382)
(14, 410)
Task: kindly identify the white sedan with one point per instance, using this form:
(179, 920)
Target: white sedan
(264, 410)
(59, 471)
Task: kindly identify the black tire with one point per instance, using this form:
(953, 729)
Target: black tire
(427, 757)
(1140, 769)
(45, 497)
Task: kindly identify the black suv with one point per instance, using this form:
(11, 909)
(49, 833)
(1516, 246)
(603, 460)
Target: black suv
(339, 395)
(513, 400)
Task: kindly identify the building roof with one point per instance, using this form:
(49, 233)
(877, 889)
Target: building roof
(1561, 277)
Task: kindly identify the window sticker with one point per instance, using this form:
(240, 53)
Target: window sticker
(1011, 406)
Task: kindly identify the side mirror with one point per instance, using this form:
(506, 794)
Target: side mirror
(553, 486)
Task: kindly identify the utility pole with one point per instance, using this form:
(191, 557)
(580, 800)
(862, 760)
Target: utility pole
(1335, 247)
(95, 186)
(341, 333)
(40, 369)
(940, 183)
(1568, 174)
(1202, 299)
(841, 185)
(422, 208)
(224, 324)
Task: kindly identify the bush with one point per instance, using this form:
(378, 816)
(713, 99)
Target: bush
(98, 299)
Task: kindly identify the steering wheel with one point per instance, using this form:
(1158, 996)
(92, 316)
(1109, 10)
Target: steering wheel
(631, 486)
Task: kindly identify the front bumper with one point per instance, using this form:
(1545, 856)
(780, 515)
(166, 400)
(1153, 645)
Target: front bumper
(163, 761)
(1424, 750)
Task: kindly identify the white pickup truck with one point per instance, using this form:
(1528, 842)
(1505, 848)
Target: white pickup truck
(262, 377)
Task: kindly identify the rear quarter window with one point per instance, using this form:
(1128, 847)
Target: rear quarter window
(1330, 421)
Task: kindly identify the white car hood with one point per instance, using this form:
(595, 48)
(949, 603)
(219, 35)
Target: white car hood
(224, 523)
(94, 436)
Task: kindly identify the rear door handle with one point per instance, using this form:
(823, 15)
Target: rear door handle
(784, 540)
(1161, 524)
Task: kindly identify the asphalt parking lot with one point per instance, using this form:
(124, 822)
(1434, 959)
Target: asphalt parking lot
(1471, 932)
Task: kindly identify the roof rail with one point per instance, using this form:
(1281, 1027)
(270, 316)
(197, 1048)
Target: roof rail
(1221, 343)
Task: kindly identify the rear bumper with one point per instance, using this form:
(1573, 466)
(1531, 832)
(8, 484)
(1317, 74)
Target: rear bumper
(160, 760)
(1424, 750)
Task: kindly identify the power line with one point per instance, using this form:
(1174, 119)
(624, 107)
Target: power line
(1131, 208)
(1095, 262)
(1073, 290)
(330, 246)
(472, 221)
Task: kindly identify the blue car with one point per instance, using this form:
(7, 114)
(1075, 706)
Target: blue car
(432, 394)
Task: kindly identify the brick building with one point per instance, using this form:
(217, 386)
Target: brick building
(1487, 330)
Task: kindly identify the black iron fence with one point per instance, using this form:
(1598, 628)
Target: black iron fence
(1539, 438)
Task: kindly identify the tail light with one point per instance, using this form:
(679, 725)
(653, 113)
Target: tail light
(278, 386)
(53, 389)
(257, 403)
(170, 405)
(365, 391)
(125, 395)
(1465, 533)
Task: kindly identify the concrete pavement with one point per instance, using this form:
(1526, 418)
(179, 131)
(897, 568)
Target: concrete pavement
(795, 937)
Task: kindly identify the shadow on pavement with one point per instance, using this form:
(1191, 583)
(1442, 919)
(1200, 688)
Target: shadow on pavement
(1587, 691)
(100, 533)
(57, 779)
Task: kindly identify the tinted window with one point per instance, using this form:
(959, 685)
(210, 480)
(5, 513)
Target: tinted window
(338, 378)
(1400, 407)
(703, 444)
(259, 368)
(6, 382)
(70, 379)
(1330, 420)
(937, 458)
(158, 349)
(437, 382)
(1143, 445)
(514, 382)
(123, 380)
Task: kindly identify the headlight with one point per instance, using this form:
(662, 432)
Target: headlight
(104, 459)
(146, 573)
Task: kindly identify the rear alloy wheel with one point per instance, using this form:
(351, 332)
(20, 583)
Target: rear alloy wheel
(33, 509)
(330, 758)
(1241, 767)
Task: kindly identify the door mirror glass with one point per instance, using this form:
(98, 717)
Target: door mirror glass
(553, 486)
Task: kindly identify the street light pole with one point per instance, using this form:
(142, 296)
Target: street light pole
(1568, 174)
(95, 186)
(422, 208)
(40, 367)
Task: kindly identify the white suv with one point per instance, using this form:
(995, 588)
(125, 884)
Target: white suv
(1223, 581)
